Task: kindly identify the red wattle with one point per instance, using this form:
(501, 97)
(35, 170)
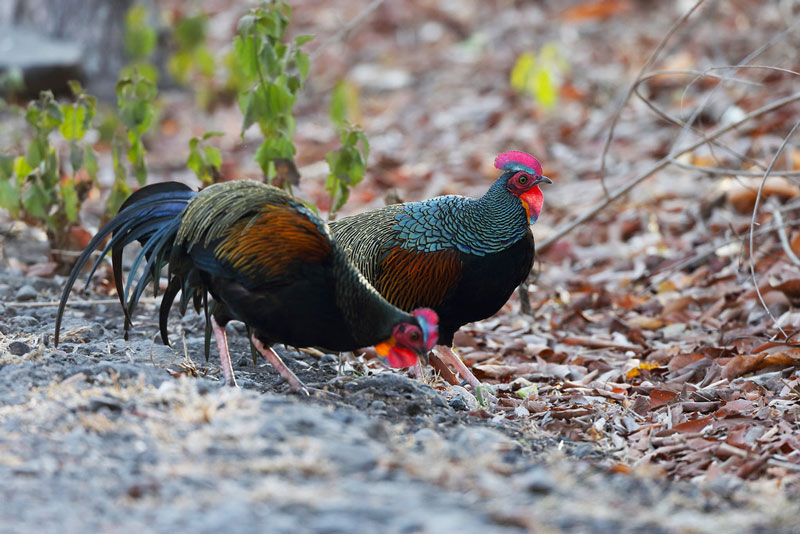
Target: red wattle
(399, 357)
(534, 199)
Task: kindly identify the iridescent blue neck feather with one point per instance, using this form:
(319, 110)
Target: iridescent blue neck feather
(476, 226)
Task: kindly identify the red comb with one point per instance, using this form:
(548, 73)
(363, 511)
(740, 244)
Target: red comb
(518, 161)
(431, 325)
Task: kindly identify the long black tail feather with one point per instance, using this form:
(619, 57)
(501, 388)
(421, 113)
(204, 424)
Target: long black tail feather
(151, 216)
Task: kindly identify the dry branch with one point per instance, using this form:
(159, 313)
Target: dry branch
(663, 162)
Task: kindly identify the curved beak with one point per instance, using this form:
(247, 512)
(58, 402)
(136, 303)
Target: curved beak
(543, 180)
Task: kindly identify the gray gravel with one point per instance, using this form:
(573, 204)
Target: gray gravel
(104, 434)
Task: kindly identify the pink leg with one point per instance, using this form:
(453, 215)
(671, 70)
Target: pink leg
(224, 355)
(287, 374)
(447, 355)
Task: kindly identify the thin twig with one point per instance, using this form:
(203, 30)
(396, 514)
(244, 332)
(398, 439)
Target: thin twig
(346, 29)
(776, 214)
(73, 303)
(729, 172)
(753, 224)
(707, 98)
(709, 250)
(632, 87)
(663, 162)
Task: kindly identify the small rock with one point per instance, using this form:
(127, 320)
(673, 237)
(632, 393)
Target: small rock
(536, 480)
(22, 322)
(26, 292)
(108, 402)
(462, 399)
(18, 348)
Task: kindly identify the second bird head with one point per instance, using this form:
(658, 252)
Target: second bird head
(411, 340)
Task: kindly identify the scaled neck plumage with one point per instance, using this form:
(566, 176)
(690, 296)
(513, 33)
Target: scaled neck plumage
(479, 226)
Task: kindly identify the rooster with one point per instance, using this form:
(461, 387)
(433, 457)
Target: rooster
(266, 260)
(461, 256)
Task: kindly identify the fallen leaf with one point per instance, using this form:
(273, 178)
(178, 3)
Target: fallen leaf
(746, 363)
(682, 360)
(636, 371)
(598, 9)
(660, 397)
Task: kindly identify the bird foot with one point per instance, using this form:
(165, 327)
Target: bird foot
(295, 384)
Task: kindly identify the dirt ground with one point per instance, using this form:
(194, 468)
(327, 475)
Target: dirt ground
(103, 434)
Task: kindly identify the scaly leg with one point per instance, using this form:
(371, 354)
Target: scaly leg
(447, 355)
(224, 355)
(287, 374)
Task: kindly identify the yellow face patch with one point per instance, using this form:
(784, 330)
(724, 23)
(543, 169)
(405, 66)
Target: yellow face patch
(383, 348)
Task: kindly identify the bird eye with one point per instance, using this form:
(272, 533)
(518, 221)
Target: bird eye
(523, 179)
(414, 336)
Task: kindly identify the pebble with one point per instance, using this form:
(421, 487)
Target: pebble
(26, 292)
(536, 480)
(462, 399)
(18, 348)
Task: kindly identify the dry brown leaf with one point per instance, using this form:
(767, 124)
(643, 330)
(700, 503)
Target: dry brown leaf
(791, 288)
(743, 192)
(597, 9)
(682, 360)
(688, 427)
(488, 370)
(746, 363)
(646, 323)
(660, 397)
(735, 408)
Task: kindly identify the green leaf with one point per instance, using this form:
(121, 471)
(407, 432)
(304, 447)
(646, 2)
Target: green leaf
(300, 40)
(246, 57)
(521, 71)
(140, 38)
(36, 153)
(273, 148)
(9, 197)
(527, 391)
(255, 107)
(6, 166)
(74, 124)
(21, 167)
(269, 60)
(179, 65)
(213, 157)
(195, 163)
(36, 201)
(204, 61)
(75, 156)
(303, 65)
(279, 99)
(90, 162)
(119, 192)
(213, 133)
(190, 32)
(70, 199)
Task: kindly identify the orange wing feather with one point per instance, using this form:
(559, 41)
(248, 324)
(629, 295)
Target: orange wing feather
(258, 247)
(411, 279)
